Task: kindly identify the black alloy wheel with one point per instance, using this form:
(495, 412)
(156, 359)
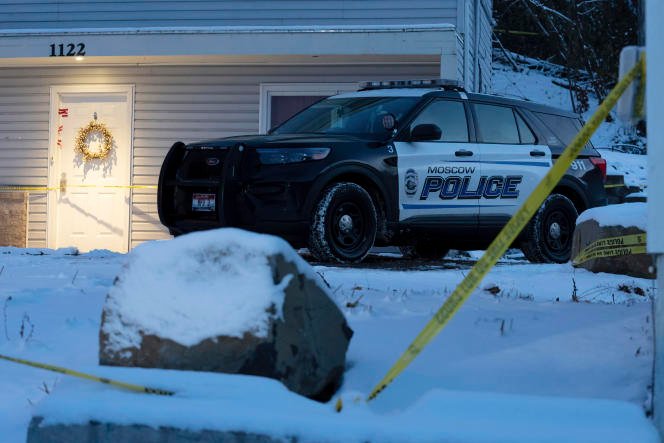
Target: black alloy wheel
(348, 226)
(344, 224)
(558, 231)
(548, 236)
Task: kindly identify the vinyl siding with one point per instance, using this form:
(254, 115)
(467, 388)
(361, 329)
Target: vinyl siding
(172, 103)
(485, 45)
(43, 14)
(461, 65)
(37, 216)
(476, 49)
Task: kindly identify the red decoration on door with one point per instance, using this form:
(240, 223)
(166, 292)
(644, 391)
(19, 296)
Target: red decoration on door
(60, 129)
(63, 112)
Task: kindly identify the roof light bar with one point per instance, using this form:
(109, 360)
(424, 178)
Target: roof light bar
(446, 84)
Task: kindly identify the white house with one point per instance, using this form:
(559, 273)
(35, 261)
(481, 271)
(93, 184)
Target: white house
(161, 71)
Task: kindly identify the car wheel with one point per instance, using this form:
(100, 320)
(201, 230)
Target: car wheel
(548, 236)
(344, 224)
(427, 250)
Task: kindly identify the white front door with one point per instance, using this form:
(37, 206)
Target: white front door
(91, 207)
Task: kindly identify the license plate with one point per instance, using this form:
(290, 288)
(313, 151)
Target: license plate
(203, 202)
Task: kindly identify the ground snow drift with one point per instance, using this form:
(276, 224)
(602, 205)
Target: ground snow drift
(252, 404)
(524, 336)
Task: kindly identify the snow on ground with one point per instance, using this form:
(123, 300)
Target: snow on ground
(632, 166)
(244, 403)
(519, 334)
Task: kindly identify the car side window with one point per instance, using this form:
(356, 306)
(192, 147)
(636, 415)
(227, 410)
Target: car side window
(526, 134)
(564, 128)
(449, 116)
(496, 124)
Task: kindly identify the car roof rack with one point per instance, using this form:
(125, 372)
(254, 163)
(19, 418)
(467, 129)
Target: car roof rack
(442, 83)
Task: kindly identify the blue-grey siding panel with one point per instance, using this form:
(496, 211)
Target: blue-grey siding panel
(485, 45)
(54, 14)
(476, 38)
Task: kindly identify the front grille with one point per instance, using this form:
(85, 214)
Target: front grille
(205, 164)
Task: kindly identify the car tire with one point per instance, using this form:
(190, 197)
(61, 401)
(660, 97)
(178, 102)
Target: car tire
(344, 224)
(548, 236)
(427, 250)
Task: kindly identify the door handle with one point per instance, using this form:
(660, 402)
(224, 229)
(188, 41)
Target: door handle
(63, 183)
(537, 153)
(463, 153)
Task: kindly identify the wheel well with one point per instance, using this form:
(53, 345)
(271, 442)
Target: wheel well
(375, 193)
(573, 195)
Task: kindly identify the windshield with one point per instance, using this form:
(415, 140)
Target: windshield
(355, 116)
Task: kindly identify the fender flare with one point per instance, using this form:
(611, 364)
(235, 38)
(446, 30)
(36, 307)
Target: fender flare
(575, 185)
(333, 172)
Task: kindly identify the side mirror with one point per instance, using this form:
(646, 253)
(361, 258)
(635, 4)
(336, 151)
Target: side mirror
(425, 132)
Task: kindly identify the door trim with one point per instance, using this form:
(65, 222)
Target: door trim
(51, 203)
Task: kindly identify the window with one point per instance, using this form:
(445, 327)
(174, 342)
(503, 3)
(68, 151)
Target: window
(564, 128)
(527, 136)
(283, 107)
(449, 116)
(280, 101)
(350, 115)
(496, 124)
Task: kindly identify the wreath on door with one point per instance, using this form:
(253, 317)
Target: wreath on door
(83, 146)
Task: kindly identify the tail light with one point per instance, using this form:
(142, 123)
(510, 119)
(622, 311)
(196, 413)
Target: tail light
(599, 163)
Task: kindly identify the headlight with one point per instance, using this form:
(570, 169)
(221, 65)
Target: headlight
(283, 156)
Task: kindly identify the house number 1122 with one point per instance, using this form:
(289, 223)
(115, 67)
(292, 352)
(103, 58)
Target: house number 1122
(67, 50)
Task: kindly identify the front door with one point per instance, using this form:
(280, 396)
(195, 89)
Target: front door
(90, 207)
(439, 179)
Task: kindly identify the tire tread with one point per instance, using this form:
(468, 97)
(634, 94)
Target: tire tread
(319, 246)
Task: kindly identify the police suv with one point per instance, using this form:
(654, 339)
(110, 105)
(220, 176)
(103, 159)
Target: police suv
(422, 165)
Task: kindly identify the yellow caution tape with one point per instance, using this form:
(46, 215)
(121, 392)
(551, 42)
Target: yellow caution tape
(639, 103)
(8, 188)
(61, 370)
(612, 247)
(509, 233)
(612, 252)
